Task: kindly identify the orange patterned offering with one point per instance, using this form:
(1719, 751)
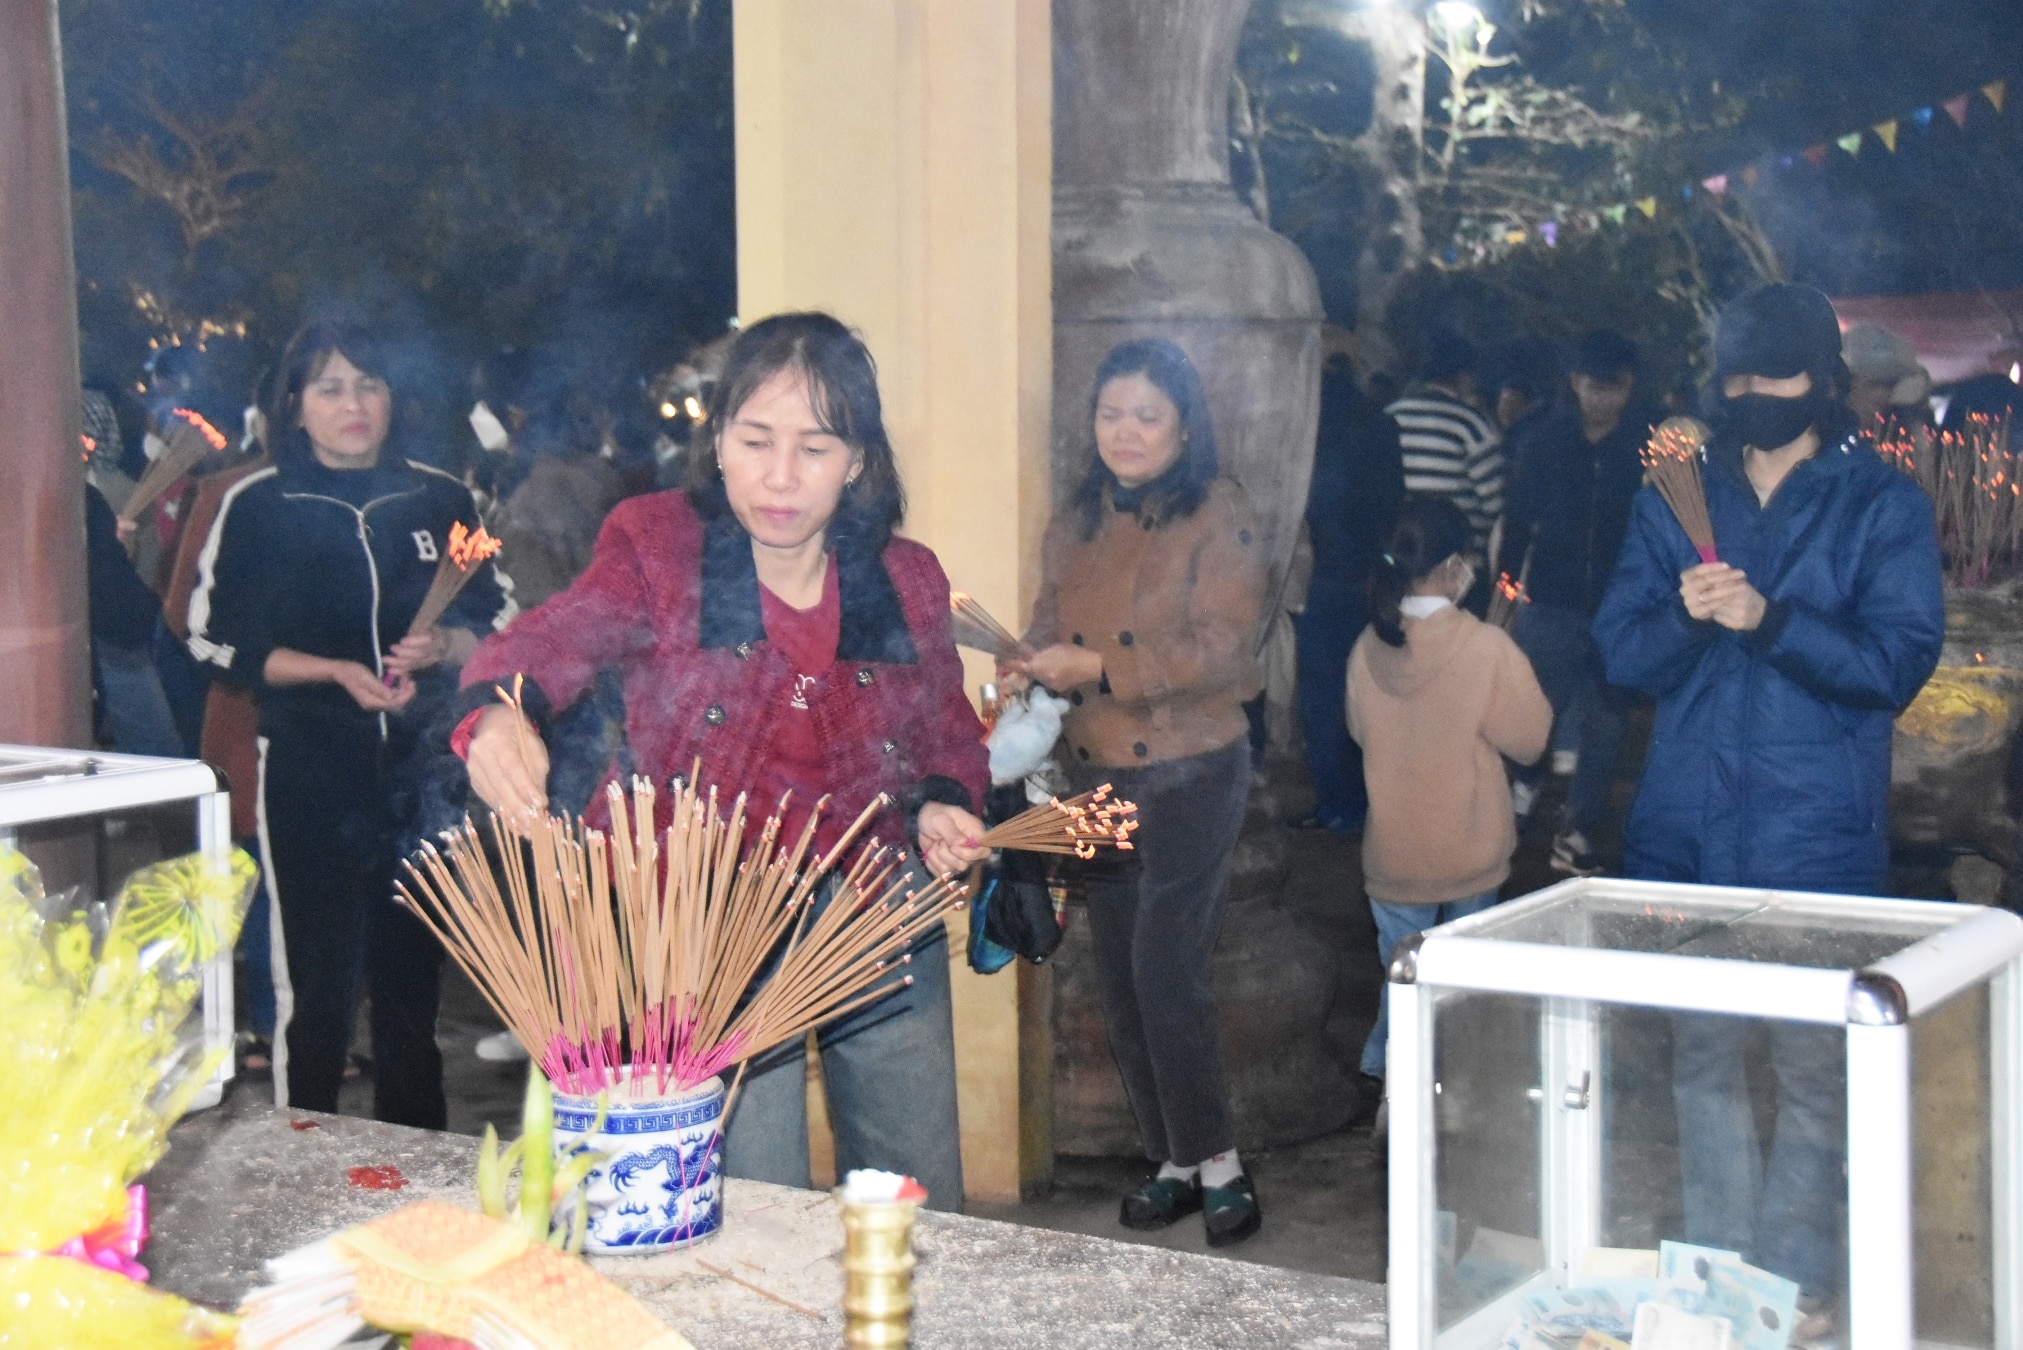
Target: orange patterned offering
(432, 1268)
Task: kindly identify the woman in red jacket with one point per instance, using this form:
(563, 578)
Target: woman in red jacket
(767, 622)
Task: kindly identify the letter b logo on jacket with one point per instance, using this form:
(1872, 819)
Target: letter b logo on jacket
(425, 546)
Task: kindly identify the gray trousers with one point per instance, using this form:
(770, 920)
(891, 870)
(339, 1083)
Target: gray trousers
(1154, 927)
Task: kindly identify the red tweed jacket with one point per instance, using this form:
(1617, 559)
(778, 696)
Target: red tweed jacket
(672, 601)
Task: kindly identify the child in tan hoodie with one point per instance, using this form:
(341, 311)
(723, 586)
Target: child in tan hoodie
(1437, 698)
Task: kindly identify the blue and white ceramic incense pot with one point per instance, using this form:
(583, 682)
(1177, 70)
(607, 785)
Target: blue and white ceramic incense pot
(662, 1186)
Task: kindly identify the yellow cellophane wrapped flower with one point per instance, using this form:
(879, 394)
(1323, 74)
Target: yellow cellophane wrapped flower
(95, 1064)
(73, 1305)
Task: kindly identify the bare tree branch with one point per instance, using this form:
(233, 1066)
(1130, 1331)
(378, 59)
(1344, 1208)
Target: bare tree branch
(198, 173)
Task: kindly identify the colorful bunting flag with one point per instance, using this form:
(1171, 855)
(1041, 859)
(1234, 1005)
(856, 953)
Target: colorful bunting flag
(1995, 91)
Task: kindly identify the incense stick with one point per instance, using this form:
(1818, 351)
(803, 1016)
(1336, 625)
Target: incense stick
(976, 629)
(1672, 464)
(188, 445)
(672, 958)
(1079, 826)
(454, 570)
(1509, 596)
(1971, 476)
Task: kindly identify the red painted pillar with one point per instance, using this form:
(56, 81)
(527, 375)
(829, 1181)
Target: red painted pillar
(45, 679)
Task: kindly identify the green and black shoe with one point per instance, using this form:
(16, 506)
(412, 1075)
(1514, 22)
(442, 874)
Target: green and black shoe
(1231, 1212)
(1159, 1202)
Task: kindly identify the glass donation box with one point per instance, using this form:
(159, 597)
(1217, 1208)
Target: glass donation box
(90, 820)
(1692, 1117)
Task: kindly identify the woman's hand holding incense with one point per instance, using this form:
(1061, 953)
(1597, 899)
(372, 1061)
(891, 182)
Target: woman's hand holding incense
(948, 837)
(1062, 666)
(436, 646)
(509, 766)
(368, 690)
(1717, 593)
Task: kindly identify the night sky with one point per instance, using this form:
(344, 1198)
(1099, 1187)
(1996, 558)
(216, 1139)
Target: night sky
(1943, 213)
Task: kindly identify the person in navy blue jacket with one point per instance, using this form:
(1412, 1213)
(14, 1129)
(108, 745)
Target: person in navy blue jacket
(307, 584)
(1778, 673)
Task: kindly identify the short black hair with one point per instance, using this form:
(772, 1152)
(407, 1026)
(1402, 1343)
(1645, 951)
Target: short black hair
(1604, 354)
(1448, 355)
(843, 391)
(1175, 493)
(302, 360)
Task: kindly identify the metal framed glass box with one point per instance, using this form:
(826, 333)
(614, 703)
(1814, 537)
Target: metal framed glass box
(1819, 1093)
(90, 820)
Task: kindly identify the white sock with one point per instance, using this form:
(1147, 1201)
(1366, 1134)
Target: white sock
(1175, 1172)
(1220, 1170)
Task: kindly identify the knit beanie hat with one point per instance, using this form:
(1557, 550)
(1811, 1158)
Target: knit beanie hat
(1779, 331)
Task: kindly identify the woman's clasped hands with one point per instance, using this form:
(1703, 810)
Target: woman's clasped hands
(1717, 593)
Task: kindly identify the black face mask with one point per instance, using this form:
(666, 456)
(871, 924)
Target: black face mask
(1767, 422)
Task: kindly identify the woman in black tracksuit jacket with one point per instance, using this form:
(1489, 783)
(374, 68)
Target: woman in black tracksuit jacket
(306, 586)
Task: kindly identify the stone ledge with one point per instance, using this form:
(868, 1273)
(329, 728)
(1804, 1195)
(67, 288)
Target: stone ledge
(242, 1184)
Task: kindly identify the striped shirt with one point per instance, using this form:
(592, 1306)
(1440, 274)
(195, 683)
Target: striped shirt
(1451, 451)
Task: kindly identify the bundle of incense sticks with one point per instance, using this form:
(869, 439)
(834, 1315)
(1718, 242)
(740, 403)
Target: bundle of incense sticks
(977, 630)
(1972, 476)
(187, 446)
(1672, 466)
(1510, 595)
(458, 564)
(1505, 601)
(1080, 825)
(663, 961)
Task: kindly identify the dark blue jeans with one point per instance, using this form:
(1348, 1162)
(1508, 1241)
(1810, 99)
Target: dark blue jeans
(1569, 668)
(1783, 1213)
(1325, 633)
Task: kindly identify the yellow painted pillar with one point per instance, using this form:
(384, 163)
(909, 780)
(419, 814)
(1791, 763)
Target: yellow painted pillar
(894, 167)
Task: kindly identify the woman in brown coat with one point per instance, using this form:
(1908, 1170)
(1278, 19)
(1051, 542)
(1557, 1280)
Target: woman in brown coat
(1150, 604)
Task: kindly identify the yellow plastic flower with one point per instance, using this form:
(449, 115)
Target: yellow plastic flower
(95, 1064)
(72, 1305)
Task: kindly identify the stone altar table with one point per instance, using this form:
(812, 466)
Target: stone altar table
(244, 1182)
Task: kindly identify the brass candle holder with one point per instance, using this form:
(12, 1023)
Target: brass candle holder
(878, 1273)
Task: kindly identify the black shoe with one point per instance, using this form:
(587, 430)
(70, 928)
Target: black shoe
(1159, 1202)
(1231, 1212)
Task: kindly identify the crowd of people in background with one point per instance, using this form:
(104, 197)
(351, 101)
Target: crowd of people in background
(1493, 592)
